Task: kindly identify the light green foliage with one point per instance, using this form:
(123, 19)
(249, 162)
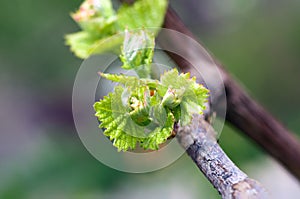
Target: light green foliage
(100, 22)
(131, 115)
(140, 109)
(183, 91)
(160, 134)
(113, 120)
(148, 108)
(97, 20)
(143, 13)
(96, 17)
(80, 43)
(174, 89)
(137, 51)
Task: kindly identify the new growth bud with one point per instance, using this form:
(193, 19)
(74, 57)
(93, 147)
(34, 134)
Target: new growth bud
(173, 97)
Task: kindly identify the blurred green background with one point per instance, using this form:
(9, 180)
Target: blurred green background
(41, 155)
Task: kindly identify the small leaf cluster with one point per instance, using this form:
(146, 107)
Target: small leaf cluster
(144, 110)
(99, 21)
(134, 117)
(141, 109)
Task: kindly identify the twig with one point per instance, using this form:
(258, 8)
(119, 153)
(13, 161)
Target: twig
(200, 143)
(242, 111)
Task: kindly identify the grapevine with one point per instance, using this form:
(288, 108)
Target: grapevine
(141, 110)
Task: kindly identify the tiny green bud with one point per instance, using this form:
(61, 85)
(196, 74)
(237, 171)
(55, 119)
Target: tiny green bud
(173, 97)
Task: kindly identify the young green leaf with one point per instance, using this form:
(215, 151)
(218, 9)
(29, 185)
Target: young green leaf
(99, 22)
(143, 13)
(96, 17)
(137, 52)
(178, 92)
(123, 79)
(174, 90)
(80, 43)
(130, 115)
(131, 81)
(160, 134)
(114, 120)
(148, 108)
(185, 91)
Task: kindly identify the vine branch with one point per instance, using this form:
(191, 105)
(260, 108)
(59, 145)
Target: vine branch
(198, 138)
(242, 111)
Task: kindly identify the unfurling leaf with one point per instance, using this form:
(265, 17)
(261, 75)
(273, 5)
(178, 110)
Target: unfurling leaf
(145, 110)
(113, 123)
(137, 52)
(100, 22)
(143, 14)
(135, 119)
(190, 95)
(140, 110)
